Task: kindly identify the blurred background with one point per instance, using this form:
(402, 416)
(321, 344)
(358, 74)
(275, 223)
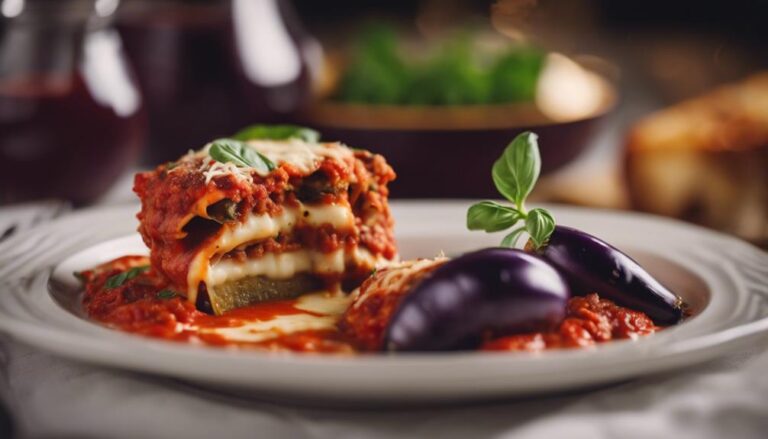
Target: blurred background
(650, 105)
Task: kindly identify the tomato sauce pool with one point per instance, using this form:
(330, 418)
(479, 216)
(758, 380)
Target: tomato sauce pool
(128, 295)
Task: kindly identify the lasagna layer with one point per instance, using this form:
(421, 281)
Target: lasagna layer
(214, 226)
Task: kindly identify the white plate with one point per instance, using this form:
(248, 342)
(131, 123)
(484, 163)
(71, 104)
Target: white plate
(724, 280)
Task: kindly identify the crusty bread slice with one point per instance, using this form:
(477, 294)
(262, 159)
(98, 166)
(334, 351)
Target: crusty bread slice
(706, 160)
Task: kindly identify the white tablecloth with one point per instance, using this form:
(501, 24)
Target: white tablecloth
(53, 397)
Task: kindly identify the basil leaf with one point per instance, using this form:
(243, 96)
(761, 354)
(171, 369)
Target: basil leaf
(239, 153)
(166, 294)
(277, 132)
(79, 276)
(540, 224)
(516, 171)
(120, 278)
(511, 239)
(491, 216)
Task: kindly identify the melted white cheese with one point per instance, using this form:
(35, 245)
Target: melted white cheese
(259, 227)
(324, 303)
(280, 325)
(323, 312)
(288, 264)
(273, 266)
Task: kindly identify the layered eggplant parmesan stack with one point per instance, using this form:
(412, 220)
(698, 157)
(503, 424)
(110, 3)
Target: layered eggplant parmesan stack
(228, 233)
(271, 240)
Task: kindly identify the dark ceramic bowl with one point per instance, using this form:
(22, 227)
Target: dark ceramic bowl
(448, 152)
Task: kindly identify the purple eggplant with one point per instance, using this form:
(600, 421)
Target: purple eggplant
(592, 265)
(500, 290)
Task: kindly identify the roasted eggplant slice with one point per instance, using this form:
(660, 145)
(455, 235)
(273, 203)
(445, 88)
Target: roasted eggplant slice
(257, 289)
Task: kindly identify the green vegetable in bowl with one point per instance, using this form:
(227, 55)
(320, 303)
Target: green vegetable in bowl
(514, 76)
(377, 73)
(456, 74)
(450, 78)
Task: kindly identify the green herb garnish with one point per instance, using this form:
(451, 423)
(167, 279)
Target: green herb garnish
(514, 174)
(277, 132)
(79, 276)
(166, 294)
(239, 153)
(119, 279)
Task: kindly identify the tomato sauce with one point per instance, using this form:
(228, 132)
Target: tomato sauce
(144, 305)
(128, 295)
(589, 320)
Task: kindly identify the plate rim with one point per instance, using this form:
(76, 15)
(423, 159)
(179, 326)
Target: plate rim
(32, 334)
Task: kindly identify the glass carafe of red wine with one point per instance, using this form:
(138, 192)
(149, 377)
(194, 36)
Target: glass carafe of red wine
(209, 67)
(71, 119)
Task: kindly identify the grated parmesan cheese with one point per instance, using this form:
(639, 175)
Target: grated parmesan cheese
(395, 277)
(212, 168)
(303, 156)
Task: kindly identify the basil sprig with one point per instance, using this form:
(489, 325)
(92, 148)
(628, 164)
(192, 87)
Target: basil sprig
(514, 174)
(120, 278)
(239, 153)
(277, 132)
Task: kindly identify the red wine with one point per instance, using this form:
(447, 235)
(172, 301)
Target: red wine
(184, 69)
(190, 62)
(58, 140)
